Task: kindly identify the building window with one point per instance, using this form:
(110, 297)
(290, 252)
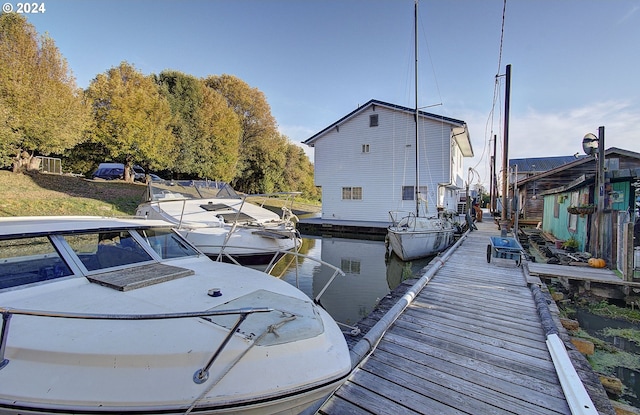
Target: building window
(408, 192)
(365, 148)
(373, 120)
(352, 193)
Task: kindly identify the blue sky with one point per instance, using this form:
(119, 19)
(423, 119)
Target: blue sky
(575, 63)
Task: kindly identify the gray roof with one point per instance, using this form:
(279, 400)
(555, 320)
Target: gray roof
(541, 164)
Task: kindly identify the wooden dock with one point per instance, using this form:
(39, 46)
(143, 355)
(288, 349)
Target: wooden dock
(343, 228)
(471, 342)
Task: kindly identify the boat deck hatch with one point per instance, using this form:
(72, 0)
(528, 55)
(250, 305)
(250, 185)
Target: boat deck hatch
(137, 277)
(227, 212)
(291, 320)
(212, 207)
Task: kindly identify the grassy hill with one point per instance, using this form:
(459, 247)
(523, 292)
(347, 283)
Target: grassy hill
(37, 194)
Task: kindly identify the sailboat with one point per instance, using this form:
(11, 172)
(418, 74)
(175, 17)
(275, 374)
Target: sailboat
(417, 234)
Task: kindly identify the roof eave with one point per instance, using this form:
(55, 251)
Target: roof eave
(461, 135)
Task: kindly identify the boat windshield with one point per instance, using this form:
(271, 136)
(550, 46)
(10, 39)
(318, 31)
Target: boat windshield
(29, 260)
(107, 249)
(190, 189)
(167, 243)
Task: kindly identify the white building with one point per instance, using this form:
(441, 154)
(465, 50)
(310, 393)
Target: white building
(365, 162)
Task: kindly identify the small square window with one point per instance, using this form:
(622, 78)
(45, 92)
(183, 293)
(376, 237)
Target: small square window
(346, 193)
(356, 193)
(365, 148)
(408, 193)
(373, 120)
(352, 193)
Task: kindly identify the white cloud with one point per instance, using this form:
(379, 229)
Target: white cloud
(297, 134)
(546, 134)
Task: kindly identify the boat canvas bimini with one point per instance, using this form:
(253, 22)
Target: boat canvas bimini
(219, 222)
(124, 316)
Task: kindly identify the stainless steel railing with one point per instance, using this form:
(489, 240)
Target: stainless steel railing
(278, 256)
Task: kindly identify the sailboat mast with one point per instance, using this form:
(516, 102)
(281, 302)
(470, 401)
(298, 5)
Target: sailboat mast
(415, 34)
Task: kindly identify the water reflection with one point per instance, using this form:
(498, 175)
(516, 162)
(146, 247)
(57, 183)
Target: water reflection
(368, 277)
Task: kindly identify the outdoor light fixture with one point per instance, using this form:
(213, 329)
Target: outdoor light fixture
(590, 144)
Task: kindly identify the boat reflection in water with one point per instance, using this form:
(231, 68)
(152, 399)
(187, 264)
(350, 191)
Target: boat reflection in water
(368, 277)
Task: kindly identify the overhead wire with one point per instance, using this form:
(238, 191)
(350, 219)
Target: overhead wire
(489, 126)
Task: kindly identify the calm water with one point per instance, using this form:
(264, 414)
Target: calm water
(368, 276)
(595, 326)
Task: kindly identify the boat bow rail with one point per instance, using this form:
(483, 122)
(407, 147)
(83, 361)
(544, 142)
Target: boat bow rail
(280, 256)
(200, 376)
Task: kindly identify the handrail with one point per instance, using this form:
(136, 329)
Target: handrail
(200, 376)
(277, 256)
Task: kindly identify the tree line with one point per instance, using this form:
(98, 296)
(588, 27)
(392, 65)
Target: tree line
(217, 127)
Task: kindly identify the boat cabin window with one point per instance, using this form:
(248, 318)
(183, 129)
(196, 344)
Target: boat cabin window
(167, 244)
(28, 260)
(98, 250)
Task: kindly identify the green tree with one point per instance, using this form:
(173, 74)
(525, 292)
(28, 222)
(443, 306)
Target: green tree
(260, 140)
(41, 108)
(298, 173)
(133, 120)
(207, 131)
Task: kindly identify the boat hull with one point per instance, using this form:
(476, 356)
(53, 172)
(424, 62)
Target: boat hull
(420, 240)
(242, 246)
(293, 403)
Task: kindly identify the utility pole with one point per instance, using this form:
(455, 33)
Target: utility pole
(493, 182)
(504, 225)
(601, 190)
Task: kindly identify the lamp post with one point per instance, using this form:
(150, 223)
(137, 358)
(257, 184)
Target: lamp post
(594, 146)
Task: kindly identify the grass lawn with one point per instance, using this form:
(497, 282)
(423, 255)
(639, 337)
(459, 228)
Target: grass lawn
(40, 194)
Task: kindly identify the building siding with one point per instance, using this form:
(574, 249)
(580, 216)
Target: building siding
(385, 168)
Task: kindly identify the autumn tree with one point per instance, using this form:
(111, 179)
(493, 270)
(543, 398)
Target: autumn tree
(207, 131)
(133, 120)
(260, 140)
(41, 108)
(298, 173)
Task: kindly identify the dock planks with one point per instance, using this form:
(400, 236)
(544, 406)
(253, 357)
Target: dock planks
(471, 342)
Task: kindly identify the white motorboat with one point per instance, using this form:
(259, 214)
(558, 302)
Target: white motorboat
(219, 222)
(124, 316)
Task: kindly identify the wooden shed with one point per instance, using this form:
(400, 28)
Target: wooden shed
(532, 186)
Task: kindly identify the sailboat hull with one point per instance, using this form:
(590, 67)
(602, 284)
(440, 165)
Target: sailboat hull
(425, 237)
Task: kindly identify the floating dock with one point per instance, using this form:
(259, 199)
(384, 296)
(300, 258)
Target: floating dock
(343, 228)
(472, 338)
